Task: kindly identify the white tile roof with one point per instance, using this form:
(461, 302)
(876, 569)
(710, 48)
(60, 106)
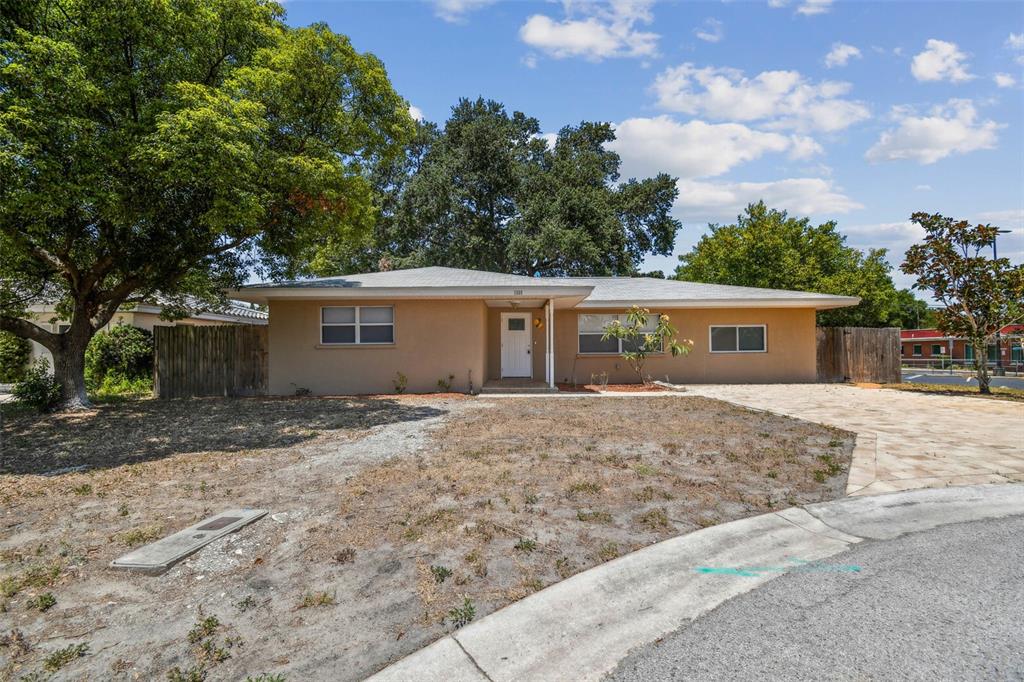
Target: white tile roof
(421, 278)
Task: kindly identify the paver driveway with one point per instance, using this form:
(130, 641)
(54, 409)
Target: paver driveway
(904, 440)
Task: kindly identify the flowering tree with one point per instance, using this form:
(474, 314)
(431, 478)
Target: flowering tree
(980, 294)
(639, 340)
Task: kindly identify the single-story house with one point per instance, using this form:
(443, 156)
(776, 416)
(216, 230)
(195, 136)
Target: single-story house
(932, 348)
(144, 316)
(355, 334)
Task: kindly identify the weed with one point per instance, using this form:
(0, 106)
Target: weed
(122, 510)
(608, 551)
(61, 657)
(704, 521)
(584, 487)
(460, 616)
(772, 474)
(400, 382)
(42, 602)
(203, 629)
(141, 535)
(345, 556)
(525, 545)
(643, 470)
(655, 519)
(835, 443)
(210, 652)
(317, 599)
(193, 674)
(440, 573)
(84, 489)
(564, 567)
(477, 562)
(594, 516)
(246, 604)
(648, 493)
(16, 643)
(532, 498)
(445, 385)
(35, 577)
(266, 677)
(533, 584)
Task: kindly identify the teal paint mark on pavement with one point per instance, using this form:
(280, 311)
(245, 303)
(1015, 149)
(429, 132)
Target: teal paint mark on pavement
(800, 567)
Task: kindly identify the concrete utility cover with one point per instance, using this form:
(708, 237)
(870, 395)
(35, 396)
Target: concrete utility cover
(158, 556)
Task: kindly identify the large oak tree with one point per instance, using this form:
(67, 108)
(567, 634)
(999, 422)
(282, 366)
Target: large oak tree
(173, 147)
(487, 191)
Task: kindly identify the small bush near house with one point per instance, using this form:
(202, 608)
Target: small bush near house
(38, 388)
(14, 354)
(116, 358)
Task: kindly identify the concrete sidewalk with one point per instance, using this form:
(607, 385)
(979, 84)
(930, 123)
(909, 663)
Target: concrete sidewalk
(582, 627)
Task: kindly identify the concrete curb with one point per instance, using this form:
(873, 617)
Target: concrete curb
(582, 627)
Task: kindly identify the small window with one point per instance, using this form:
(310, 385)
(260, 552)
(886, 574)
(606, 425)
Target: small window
(517, 324)
(917, 349)
(63, 328)
(738, 339)
(357, 325)
(937, 349)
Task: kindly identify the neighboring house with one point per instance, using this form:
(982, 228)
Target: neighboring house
(354, 334)
(144, 316)
(929, 347)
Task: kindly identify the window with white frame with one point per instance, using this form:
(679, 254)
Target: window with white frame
(363, 325)
(745, 338)
(592, 328)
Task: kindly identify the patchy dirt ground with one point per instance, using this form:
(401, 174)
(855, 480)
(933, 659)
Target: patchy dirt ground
(395, 520)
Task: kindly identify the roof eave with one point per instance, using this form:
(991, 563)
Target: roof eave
(264, 294)
(816, 303)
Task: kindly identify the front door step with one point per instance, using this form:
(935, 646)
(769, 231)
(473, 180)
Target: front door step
(159, 556)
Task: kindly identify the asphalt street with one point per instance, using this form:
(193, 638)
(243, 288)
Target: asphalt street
(941, 604)
(921, 377)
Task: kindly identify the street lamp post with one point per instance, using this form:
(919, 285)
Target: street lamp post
(999, 371)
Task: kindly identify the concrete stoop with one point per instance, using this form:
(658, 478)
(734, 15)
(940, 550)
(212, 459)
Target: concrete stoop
(581, 628)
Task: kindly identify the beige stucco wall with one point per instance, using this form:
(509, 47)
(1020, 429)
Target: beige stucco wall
(494, 341)
(432, 340)
(791, 355)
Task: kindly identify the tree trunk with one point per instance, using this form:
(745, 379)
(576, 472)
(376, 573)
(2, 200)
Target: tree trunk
(69, 371)
(981, 365)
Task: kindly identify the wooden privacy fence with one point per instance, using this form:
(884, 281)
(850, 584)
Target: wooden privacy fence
(860, 354)
(228, 360)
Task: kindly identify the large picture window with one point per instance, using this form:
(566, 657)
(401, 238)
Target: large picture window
(592, 328)
(363, 325)
(748, 338)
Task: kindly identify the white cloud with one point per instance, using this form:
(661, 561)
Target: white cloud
(529, 61)
(1012, 218)
(550, 138)
(811, 7)
(922, 188)
(455, 11)
(1015, 41)
(950, 128)
(1004, 80)
(416, 113)
(601, 31)
(712, 30)
(940, 61)
(697, 149)
(781, 99)
(841, 54)
(700, 201)
(894, 236)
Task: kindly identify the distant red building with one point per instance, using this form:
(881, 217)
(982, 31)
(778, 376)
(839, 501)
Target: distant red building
(928, 347)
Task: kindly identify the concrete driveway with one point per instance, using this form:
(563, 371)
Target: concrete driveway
(904, 440)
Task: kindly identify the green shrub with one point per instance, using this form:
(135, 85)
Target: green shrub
(14, 354)
(38, 388)
(124, 352)
(115, 387)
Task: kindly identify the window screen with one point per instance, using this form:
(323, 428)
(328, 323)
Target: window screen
(357, 324)
(738, 339)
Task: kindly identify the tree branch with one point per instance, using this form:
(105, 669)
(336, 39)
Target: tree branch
(29, 330)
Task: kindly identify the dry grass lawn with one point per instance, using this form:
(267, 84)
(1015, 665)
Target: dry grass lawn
(398, 519)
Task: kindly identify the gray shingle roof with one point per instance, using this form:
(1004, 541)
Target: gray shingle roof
(420, 278)
(621, 289)
(602, 290)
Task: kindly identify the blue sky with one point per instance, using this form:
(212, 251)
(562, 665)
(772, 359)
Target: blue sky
(859, 112)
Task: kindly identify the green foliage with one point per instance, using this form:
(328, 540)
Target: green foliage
(767, 248)
(440, 573)
(123, 354)
(640, 341)
(487, 192)
(173, 147)
(14, 355)
(461, 616)
(401, 382)
(42, 602)
(38, 389)
(61, 657)
(981, 295)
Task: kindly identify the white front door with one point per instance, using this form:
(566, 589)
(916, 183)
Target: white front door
(516, 345)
